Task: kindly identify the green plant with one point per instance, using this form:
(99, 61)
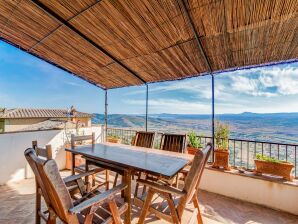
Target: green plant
(193, 140)
(115, 137)
(222, 133)
(268, 159)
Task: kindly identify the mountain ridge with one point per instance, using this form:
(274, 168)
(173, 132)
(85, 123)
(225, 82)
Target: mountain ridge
(276, 127)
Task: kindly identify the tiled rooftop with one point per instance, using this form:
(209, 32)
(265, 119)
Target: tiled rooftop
(17, 206)
(39, 113)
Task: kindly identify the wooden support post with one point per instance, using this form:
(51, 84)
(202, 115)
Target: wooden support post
(146, 122)
(106, 115)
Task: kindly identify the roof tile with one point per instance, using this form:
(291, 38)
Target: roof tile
(40, 113)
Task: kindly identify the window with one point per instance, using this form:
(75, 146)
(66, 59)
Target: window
(1, 126)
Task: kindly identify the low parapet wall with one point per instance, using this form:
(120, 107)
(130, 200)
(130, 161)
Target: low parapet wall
(13, 166)
(258, 190)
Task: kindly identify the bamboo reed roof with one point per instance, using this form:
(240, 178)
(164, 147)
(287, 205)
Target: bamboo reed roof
(117, 43)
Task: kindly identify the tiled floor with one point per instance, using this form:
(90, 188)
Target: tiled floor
(17, 206)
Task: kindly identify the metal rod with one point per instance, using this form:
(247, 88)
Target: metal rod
(295, 161)
(146, 122)
(241, 151)
(87, 39)
(234, 152)
(106, 114)
(213, 128)
(247, 160)
(269, 150)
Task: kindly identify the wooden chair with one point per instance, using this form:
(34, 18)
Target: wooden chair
(47, 154)
(176, 199)
(169, 142)
(90, 208)
(82, 167)
(173, 142)
(142, 139)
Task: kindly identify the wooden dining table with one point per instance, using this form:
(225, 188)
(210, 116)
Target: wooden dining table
(127, 160)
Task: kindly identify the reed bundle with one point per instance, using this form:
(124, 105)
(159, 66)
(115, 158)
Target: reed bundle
(153, 38)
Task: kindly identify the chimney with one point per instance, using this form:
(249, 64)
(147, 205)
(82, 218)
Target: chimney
(73, 113)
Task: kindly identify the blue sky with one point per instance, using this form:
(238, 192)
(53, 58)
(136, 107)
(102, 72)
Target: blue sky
(26, 81)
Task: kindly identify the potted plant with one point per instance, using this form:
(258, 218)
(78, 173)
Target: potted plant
(113, 139)
(132, 142)
(273, 166)
(194, 143)
(221, 152)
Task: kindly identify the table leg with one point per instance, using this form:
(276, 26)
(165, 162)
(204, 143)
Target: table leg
(127, 196)
(87, 177)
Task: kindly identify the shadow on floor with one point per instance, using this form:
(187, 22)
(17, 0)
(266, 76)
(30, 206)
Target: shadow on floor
(18, 204)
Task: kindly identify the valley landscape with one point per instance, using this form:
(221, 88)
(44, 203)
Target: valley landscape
(276, 127)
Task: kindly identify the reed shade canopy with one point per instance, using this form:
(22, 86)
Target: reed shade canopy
(118, 43)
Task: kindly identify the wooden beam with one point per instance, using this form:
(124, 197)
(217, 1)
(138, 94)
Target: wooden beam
(203, 52)
(51, 33)
(83, 36)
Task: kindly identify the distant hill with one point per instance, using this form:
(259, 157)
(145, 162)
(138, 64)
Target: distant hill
(279, 127)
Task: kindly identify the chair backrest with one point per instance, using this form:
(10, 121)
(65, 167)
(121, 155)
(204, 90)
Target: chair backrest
(52, 186)
(194, 175)
(173, 142)
(80, 138)
(43, 152)
(144, 139)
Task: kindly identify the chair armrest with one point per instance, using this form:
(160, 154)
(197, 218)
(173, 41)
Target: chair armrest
(97, 200)
(161, 187)
(77, 176)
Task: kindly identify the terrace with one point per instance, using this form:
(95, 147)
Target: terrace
(114, 44)
(19, 201)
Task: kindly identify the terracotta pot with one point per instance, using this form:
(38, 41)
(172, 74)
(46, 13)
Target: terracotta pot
(68, 157)
(79, 160)
(221, 159)
(113, 140)
(133, 140)
(278, 169)
(192, 150)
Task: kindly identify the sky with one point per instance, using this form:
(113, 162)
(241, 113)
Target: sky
(26, 81)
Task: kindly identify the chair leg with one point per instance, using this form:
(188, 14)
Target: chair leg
(52, 217)
(146, 206)
(115, 212)
(137, 185)
(115, 180)
(196, 204)
(88, 219)
(177, 181)
(37, 205)
(107, 180)
(145, 187)
(171, 204)
(73, 163)
(93, 180)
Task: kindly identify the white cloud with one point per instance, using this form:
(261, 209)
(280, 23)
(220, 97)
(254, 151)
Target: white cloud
(198, 87)
(285, 79)
(261, 90)
(268, 82)
(249, 86)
